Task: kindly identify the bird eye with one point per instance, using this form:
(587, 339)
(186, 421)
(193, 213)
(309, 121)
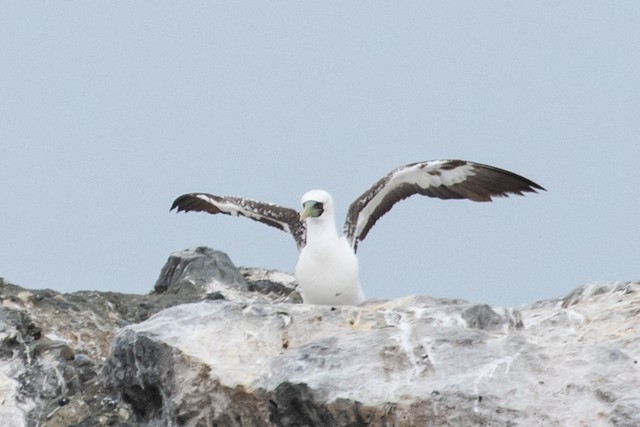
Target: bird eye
(313, 204)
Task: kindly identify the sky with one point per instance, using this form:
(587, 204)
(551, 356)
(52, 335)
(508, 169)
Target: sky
(110, 110)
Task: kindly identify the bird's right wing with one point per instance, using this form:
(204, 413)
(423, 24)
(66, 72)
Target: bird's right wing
(280, 217)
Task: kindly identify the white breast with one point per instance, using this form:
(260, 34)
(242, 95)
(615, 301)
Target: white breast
(327, 273)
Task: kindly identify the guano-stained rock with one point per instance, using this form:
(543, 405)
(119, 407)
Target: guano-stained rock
(213, 344)
(53, 346)
(410, 361)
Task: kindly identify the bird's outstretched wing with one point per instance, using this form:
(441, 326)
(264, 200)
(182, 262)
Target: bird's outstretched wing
(444, 179)
(280, 217)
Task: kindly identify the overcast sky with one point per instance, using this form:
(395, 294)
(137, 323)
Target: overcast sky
(110, 110)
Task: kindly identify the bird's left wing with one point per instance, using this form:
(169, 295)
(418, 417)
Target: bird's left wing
(280, 217)
(444, 179)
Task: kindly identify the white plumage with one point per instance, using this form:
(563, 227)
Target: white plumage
(327, 268)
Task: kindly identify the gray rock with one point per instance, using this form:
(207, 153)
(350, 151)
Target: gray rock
(53, 346)
(273, 283)
(194, 270)
(218, 345)
(410, 361)
(484, 317)
(205, 271)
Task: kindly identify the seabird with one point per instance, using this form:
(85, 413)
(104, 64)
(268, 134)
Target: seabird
(327, 267)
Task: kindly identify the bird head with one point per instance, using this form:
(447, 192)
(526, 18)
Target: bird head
(315, 203)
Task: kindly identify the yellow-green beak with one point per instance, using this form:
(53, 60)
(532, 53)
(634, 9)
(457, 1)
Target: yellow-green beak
(311, 209)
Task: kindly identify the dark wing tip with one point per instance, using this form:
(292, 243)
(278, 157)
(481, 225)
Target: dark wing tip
(175, 204)
(536, 187)
(192, 202)
(490, 181)
(179, 203)
(528, 185)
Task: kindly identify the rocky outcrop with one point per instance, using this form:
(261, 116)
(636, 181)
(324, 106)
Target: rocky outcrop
(204, 271)
(53, 346)
(215, 345)
(411, 361)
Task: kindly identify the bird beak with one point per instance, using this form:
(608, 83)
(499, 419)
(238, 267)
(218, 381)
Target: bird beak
(310, 209)
(306, 212)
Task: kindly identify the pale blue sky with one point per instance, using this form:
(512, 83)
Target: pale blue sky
(110, 110)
